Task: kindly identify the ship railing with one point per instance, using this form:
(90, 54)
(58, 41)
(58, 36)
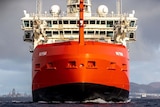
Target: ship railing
(55, 40)
(104, 40)
(92, 15)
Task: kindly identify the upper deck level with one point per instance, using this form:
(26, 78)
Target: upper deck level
(56, 27)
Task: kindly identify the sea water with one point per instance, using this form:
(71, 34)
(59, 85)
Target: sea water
(24, 102)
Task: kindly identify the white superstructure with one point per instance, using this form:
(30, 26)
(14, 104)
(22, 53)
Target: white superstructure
(55, 27)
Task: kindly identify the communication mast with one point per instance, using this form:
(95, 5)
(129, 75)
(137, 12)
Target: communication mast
(38, 7)
(119, 7)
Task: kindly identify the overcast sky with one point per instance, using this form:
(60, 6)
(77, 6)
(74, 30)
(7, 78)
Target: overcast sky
(15, 59)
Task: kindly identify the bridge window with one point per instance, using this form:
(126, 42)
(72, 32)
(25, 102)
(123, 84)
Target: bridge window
(98, 21)
(109, 23)
(60, 21)
(28, 36)
(49, 23)
(49, 33)
(65, 22)
(72, 22)
(67, 32)
(90, 32)
(109, 33)
(97, 32)
(103, 22)
(132, 23)
(55, 32)
(26, 23)
(86, 22)
(131, 35)
(75, 32)
(55, 22)
(92, 21)
(61, 32)
(102, 32)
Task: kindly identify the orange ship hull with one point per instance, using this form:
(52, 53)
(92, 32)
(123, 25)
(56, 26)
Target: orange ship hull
(72, 72)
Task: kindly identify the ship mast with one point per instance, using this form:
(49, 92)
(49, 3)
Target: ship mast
(38, 7)
(119, 7)
(81, 23)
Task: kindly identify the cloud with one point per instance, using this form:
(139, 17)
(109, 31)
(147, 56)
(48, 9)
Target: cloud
(144, 53)
(148, 37)
(15, 59)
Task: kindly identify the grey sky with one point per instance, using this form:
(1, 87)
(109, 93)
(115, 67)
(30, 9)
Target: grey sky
(15, 59)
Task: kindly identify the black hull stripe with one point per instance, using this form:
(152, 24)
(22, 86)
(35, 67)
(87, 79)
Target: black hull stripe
(80, 92)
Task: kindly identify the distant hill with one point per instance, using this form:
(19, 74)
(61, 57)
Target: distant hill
(153, 87)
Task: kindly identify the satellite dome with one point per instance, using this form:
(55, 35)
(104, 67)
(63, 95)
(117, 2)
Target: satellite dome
(55, 10)
(102, 10)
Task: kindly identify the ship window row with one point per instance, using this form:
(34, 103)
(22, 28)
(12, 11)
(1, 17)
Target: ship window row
(101, 22)
(103, 33)
(52, 33)
(109, 23)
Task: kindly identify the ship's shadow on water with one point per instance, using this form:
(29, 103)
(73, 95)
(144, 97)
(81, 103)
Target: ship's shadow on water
(133, 103)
